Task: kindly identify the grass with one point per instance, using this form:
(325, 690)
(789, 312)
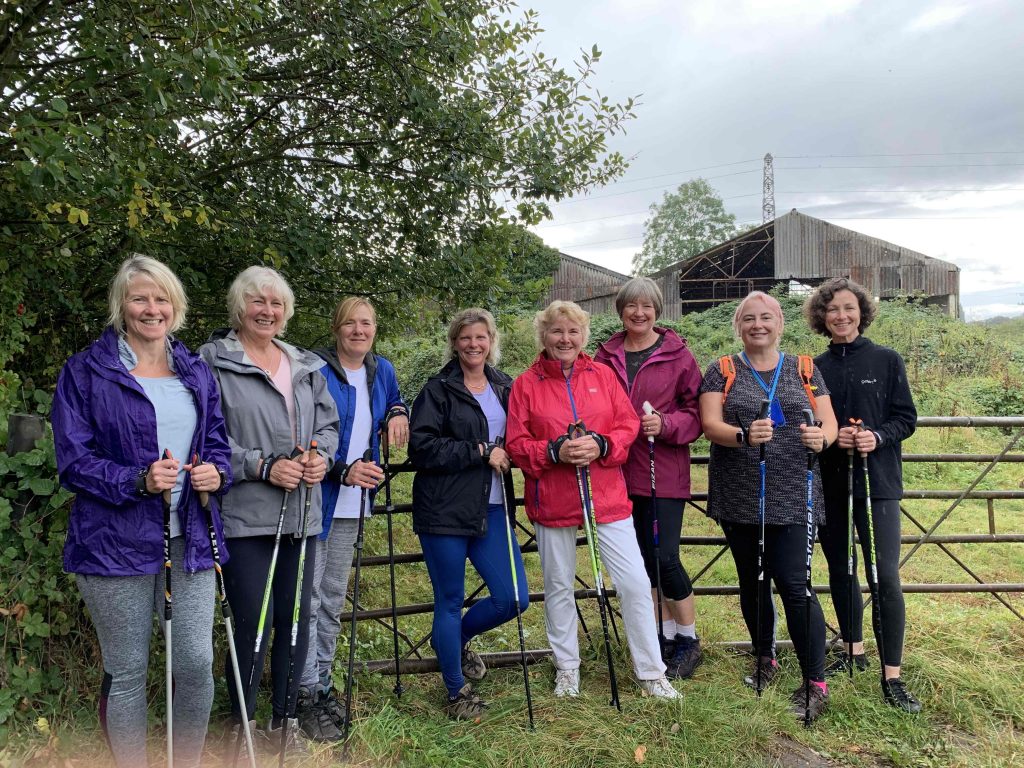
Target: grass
(964, 659)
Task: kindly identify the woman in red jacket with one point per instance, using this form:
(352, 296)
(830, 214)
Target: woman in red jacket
(563, 387)
(654, 365)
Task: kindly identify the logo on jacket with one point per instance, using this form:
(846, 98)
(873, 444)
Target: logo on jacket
(869, 381)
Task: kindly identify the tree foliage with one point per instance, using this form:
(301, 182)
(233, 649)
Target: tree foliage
(359, 146)
(686, 222)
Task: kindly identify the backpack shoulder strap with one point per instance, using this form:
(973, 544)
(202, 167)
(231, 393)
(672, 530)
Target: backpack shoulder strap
(805, 365)
(728, 369)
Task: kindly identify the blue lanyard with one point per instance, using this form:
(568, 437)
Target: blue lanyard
(757, 376)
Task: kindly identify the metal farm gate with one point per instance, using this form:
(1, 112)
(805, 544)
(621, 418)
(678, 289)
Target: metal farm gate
(412, 659)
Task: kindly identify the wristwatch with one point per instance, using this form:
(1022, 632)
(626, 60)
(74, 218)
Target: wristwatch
(140, 482)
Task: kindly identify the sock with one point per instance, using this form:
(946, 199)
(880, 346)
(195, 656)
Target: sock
(821, 684)
(687, 630)
(669, 628)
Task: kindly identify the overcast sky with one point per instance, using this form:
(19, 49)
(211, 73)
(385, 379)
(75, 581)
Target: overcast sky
(901, 119)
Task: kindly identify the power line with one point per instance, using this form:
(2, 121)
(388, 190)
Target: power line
(900, 154)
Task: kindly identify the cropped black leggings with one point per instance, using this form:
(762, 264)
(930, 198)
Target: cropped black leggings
(245, 575)
(785, 548)
(834, 537)
(675, 581)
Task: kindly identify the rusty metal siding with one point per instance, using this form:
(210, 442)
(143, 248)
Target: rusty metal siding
(590, 286)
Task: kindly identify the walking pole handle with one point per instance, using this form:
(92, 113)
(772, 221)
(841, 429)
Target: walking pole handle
(649, 410)
(859, 424)
(762, 412)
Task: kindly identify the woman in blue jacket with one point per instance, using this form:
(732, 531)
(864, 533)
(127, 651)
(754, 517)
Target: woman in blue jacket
(365, 389)
(134, 393)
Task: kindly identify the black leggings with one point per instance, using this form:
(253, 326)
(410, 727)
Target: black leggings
(834, 537)
(675, 582)
(785, 548)
(245, 576)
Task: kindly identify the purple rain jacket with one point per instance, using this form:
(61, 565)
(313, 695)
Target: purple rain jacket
(104, 430)
(669, 379)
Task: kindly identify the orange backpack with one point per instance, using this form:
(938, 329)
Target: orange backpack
(804, 365)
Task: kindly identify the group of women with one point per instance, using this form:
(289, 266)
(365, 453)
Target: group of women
(287, 443)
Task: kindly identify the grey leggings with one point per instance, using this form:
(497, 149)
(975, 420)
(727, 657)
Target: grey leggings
(330, 585)
(122, 610)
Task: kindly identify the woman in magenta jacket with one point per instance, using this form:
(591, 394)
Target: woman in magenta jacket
(654, 365)
(565, 386)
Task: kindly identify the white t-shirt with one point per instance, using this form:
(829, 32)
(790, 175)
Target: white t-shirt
(348, 496)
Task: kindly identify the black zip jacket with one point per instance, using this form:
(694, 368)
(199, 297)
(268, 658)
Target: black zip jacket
(453, 481)
(868, 382)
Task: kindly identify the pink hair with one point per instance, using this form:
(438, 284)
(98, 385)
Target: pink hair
(770, 301)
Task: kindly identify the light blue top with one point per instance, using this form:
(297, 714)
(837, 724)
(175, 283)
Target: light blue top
(495, 414)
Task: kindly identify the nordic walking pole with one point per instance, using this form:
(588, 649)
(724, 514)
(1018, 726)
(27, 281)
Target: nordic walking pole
(389, 509)
(225, 609)
(872, 557)
(243, 704)
(510, 536)
(649, 409)
(851, 555)
(296, 605)
(763, 470)
(590, 529)
(168, 603)
(809, 587)
(367, 457)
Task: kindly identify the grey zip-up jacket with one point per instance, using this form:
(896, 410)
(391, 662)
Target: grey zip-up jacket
(258, 426)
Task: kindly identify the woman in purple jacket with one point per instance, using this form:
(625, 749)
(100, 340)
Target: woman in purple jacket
(654, 365)
(134, 393)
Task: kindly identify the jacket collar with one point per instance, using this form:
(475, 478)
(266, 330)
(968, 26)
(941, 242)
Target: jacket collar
(615, 346)
(330, 356)
(544, 367)
(105, 355)
(851, 348)
(453, 377)
(231, 355)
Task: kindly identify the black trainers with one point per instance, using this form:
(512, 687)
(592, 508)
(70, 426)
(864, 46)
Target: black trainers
(668, 648)
(769, 669)
(818, 701)
(685, 660)
(466, 705)
(473, 667)
(334, 707)
(896, 695)
(314, 720)
(841, 664)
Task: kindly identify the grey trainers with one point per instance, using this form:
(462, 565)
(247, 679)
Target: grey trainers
(818, 703)
(466, 705)
(294, 745)
(314, 719)
(769, 669)
(659, 689)
(567, 683)
(685, 660)
(473, 667)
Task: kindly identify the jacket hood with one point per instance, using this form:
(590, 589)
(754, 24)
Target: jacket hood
(229, 354)
(330, 356)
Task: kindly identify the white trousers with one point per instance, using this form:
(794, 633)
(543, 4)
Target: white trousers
(621, 560)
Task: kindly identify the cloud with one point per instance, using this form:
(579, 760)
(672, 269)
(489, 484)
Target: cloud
(933, 18)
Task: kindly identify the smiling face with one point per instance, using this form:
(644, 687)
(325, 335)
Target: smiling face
(638, 316)
(842, 317)
(563, 341)
(760, 327)
(355, 335)
(263, 316)
(473, 345)
(148, 313)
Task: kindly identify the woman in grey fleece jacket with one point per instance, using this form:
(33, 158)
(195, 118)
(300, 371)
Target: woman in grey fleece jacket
(274, 400)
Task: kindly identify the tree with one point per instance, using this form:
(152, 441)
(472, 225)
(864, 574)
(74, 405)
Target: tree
(353, 145)
(688, 221)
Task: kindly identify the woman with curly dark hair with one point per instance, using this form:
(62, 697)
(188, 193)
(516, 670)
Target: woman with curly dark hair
(875, 410)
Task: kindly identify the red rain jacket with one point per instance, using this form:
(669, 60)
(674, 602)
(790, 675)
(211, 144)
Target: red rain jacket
(542, 405)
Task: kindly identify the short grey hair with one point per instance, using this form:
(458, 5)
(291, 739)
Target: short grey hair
(471, 316)
(253, 281)
(138, 264)
(639, 288)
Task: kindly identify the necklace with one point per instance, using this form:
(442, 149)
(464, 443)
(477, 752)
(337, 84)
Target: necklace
(264, 365)
(477, 387)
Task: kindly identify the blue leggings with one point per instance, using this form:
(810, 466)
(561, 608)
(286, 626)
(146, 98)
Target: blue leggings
(446, 563)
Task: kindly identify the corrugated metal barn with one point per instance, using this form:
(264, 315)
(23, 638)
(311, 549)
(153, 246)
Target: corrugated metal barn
(590, 286)
(803, 252)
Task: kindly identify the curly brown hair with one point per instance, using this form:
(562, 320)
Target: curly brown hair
(817, 304)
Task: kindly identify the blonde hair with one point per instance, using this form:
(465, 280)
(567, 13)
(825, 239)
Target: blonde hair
(571, 311)
(346, 308)
(770, 301)
(135, 265)
(471, 316)
(254, 281)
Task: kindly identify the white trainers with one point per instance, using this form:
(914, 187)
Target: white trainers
(567, 683)
(659, 689)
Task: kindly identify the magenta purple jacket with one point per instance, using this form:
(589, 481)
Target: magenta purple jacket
(670, 380)
(104, 433)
